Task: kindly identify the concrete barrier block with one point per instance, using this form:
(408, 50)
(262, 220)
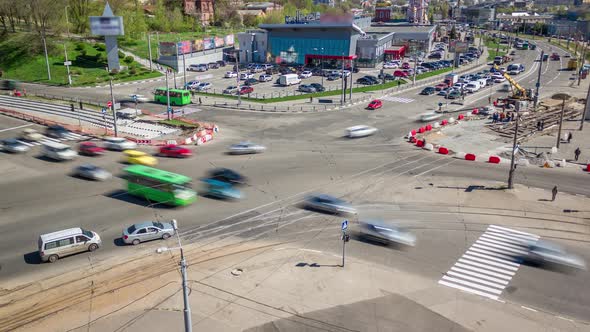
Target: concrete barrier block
(554, 149)
(562, 163)
(451, 120)
(436, 125)
(428, 146)
(460, 155)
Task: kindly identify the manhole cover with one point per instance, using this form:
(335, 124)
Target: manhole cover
(237, 272)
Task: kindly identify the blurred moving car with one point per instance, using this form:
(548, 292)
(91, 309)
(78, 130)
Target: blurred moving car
(329, 204)
(139, 158)
(227, 175)
(147, 231)
(55, 245)
(375, 104)
(430, 117)
(386, 232)
(246, 148)
(90, 149)
(221, 189)
(57, 131)
(119, 144)
(360, 131)
(58, 151)
(31, 135)
(230, 90)
(543, 253)
(15, 146)
(139, 98)
(175, 151)
(92, 172)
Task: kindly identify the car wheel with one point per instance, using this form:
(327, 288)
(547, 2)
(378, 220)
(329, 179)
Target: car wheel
(135, 242)
(53, 258)
(166, 236)
(92, 247)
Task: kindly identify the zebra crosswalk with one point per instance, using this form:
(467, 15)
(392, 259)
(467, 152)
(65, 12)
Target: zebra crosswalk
(398, 99)
(487, 266)
(45, 139)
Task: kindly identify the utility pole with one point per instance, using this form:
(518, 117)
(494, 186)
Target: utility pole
(415, 66)
(67, 63)
(67, 22)
(113, 108)
(582, 64)
(560, 122)
(514, 142)
(238, 79)
(351, 81)
(167, 96)
(538, 84)
(150, 50)
(184, 69)
(342, 83)
(585, 113)
(46, 56)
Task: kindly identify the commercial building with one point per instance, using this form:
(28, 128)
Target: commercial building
(479, 15)
(327, 40)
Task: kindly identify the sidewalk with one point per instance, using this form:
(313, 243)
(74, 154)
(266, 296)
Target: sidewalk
(275, 292)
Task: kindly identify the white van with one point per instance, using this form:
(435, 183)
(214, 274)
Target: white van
(289, 79)
(53, 246)
(472, 87)
(482, 83)
(58, 151)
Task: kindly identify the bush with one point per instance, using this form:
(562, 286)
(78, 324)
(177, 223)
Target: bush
(100, 47)
(83, 52)
(101, 58)
(121, 55)
(132, 71)
(114, 72)
(80, 46)
(128, 59)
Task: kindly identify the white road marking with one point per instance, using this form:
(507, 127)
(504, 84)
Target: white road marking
(468, 290)
(527, 308)
(18, 127)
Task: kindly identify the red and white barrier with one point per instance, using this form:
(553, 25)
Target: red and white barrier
(444, 122)
(421, 130)
(443, 150)
(588, 168)
(428, 146)
(494, 160)
(419, 143)
(461, 117)
(470, 156)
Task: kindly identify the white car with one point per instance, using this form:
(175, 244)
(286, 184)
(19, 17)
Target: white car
(246, 148)
(472, 87)
(386, 232)
(92, 172)
(498, 79)
(345, 73)
(204, 86)
(119, 144)
(360, 131)
(245, 76)
(191, 85)
(31, 135)
(265, 78)
(390, 65)
(306, 74)
(231, 74)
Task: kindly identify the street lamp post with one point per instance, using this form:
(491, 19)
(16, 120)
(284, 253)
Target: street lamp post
(321, 49)
(563, 97)
(188, 325)
(514, 142)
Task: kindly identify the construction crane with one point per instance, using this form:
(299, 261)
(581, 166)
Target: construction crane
(520, 93)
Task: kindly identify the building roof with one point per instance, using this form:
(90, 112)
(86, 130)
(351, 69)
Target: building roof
(310, 26)
(253, 12)
(380, 29)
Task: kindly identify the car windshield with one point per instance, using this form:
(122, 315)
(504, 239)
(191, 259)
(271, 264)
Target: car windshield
(131, 229)
(87, 233)
(158, 224)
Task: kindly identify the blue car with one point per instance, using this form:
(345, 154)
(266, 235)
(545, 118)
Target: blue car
(221, 189)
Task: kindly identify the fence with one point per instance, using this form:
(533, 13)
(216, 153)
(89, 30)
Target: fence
(292, 108)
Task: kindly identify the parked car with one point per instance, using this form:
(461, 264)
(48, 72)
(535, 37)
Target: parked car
(306, 88)
(221, 63)
(31, 135)
(230, 74)
(204, 86)
(265, 78)
(92, 172)
(230, 90)
(175, 151)
(388, 77)
(428, 91)
(390, 65)
(405, 65)
(333, 77)
(440, 86)
(245, 76)
(329, 204)
(202, 67)
(375, 104)
(57, 131)
(318, 87)
(453, 94)
(191, 85)
(365, 81)
(360, 131)
(147, 231)
(306, 74)
(399, 73)
(246, 90)
(213, 65)
(15, 146)
(55, 245)
(90, 149)
(246, 148)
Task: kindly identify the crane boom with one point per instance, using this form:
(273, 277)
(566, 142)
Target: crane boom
(523, 93)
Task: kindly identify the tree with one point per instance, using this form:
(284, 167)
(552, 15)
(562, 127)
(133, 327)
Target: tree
(46, 14)
(444, 10)
(250, 20)
(160, 21)
(453, 33)
(135, 24)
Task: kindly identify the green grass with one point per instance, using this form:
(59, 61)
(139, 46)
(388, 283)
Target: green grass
(140, 47)
(433, 73)
(29, 65)
(175, 122)
(492, 46)
(313, 95)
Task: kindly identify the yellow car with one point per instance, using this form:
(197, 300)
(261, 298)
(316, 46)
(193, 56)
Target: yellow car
(140, 158)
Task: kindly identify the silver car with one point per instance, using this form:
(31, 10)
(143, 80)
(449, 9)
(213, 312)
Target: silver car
(147, 231)
(386, 232)
(329, 204)
(92, 172)
(14, 146)
(246, 148)
(544, 252)
(119, 144)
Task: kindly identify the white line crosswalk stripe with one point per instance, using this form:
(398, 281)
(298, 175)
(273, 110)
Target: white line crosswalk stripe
(487, 267)
(398, 99)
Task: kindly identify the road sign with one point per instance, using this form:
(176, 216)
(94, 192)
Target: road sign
(109, 103)
(440, 104)
(67, 63)
(104, 110)
(344, 225)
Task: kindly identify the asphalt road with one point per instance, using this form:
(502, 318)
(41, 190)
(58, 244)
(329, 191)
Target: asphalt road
(306, 153)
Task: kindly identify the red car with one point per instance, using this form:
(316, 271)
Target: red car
(441, 86)
(399, 73)
(246, 90)
(175, 151)
(90, 149)
(405, 65)
(375, 104)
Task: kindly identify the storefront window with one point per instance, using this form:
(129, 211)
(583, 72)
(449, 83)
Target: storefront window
(294, 50)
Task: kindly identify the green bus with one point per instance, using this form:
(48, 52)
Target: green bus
(159, 186)
(178, 97)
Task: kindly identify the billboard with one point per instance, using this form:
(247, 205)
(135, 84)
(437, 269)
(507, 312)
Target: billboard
(197, 45)
(168, 48)
(457, 46)
(219, 42)
(208, 43)
(229, 40)
(106, 25)
(184, 47)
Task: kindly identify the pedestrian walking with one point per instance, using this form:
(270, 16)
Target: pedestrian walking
(554, 193)
(569, 136)
(538, 125)
(200, 101)
(577, 153)
(542, 125)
